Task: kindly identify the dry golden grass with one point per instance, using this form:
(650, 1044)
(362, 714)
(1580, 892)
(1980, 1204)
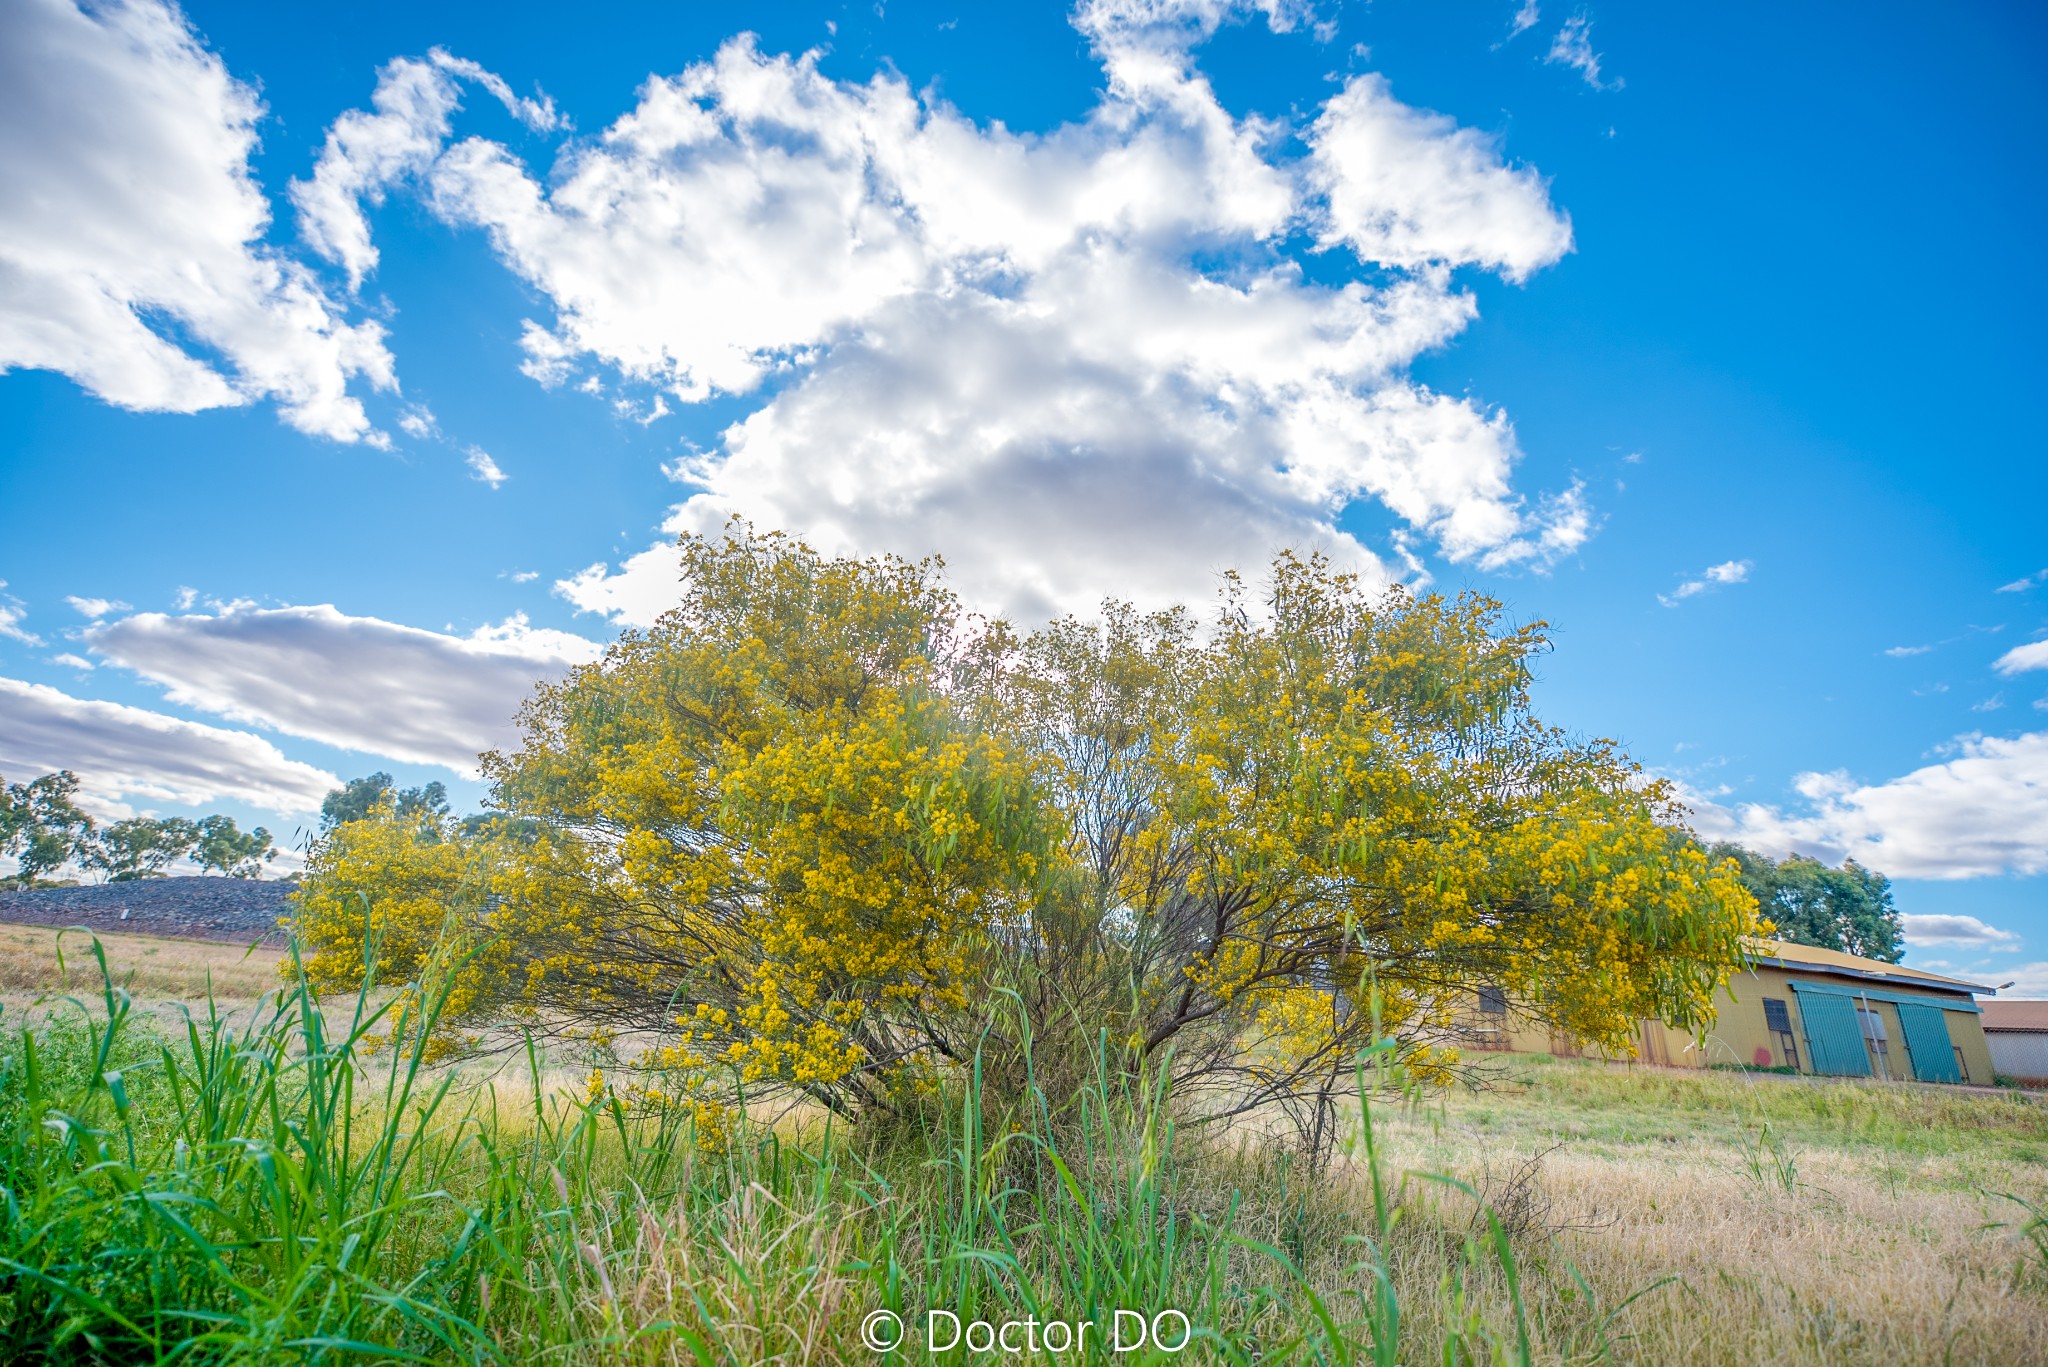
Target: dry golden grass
(1875, 1233)
(1866, 1224)
(155, 969)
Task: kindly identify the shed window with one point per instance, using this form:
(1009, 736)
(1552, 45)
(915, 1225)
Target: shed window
(1493, 1001)
(1778, 1020)
(1874, 1037)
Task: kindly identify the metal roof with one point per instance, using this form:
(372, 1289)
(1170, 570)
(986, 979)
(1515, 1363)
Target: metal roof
(1806, 958)
(2016, 1016)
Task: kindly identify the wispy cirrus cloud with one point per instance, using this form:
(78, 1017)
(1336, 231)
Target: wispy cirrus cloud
(482, 467)
(1714, 576)
(1573, 47)
(96, 608)
(12, 613)
(2024, 583)
(2021, 659)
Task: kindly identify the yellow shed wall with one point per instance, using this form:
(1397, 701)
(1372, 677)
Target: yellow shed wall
(1740, 1035)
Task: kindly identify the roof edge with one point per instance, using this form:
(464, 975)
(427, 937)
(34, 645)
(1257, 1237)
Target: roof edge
(1933, 982)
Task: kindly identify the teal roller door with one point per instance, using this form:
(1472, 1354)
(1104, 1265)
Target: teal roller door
(1833, 1037)
(1927, 1042)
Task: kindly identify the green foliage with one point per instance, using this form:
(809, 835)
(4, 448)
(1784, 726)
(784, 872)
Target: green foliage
(41, 826)
(257, 1189)
(357, 799)
(138, 847)
(222, 846)
(1847, 909)
(804, 826)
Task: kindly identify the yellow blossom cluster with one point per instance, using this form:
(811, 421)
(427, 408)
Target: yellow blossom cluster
(810, 828)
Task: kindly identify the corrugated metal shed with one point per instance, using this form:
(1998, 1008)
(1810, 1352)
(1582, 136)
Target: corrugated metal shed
(2016, 1016)
(2018, 1035)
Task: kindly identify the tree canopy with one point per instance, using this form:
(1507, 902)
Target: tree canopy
(810, 825)
(359, 798)
(44, 829)
(1847, 908)
(41, 825)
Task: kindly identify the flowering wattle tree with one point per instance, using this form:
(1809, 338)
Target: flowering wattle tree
(819, 829)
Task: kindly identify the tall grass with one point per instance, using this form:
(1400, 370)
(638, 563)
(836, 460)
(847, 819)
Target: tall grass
(269, 1187)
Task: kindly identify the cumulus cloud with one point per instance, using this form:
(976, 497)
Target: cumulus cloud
(357, 682)
(131, 233)
(123, 754)
(2020, 659)
(1937, 929)
(1573, 47)
(367, 152)
(1051, 357)
(1727, 572)
(1405, 187)
(1979, 814)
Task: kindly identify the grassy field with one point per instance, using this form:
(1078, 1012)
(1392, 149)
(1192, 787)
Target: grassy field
(261, 1187)
(36, 961)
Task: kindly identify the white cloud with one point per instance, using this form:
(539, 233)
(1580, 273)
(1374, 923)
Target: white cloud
(1051, 357)
(1901, 652)
(1977, 815)
(121, 753)
(96, 608)
(2029, 981)
(12, 611)
(357, 682)
(131, 233)
(1524, 20)
(1727, 572)
(484, 468)
(1573, 47)
(417, 421)
(1937, 929)
(2020, 659)
(366, 153)
(71, 661)
(2023, 584)
(1405, 187)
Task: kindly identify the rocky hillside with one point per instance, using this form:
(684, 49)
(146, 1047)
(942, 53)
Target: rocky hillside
(238, 909)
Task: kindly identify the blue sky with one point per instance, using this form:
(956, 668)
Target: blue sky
(357, 365)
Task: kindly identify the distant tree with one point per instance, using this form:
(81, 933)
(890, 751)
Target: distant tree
(360, 797)
(139, 847)
(1848, 908)
(235, 853)
(496, 825)
(41, 826)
